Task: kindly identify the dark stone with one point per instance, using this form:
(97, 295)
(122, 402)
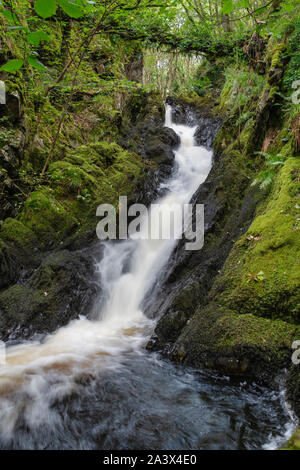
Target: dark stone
(12, 108)
(202, 344)
(293, 388)
(60, 289)
(159, 146)
(142, 131)
(9, 265)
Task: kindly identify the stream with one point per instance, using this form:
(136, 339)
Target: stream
(92, 384)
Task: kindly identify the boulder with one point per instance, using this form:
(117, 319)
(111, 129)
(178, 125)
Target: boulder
(59, 290)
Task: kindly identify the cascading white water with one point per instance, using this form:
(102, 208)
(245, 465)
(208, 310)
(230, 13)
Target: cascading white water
(91, 385)
(87, 346)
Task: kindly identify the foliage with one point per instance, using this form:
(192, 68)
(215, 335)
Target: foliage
(266, 176)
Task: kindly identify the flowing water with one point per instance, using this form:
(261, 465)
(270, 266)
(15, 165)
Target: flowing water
(92, 385)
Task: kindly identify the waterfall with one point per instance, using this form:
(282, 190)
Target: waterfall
(93, 385)
(121, 325)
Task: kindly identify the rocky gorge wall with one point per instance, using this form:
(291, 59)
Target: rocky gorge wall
(49, 249)
(234, 305)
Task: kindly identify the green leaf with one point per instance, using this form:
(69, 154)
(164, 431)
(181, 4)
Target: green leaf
(35, 63)
(72, 8)
(45, 8)
(12, 65)
(37, 36)
(228, 6)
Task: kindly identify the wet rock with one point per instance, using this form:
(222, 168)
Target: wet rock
(61, 289)
(235, 345)
(159, 145)
(9, 160)
(293, 388)
(206, 122)
(12, 108)
(142, 131)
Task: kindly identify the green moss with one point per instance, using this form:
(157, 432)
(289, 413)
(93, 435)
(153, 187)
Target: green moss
(248, 330)
(14, 231)
(14, 300)
(194, 99)
(294, 442)
(245, 345)
(48, 218)
(276, 55)
(88, 176)
(261, 275)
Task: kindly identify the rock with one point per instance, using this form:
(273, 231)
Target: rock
(61, 289)
(142, 130)
(9, 265)
(159, 146)
(235, 345)
(9, 161)
(12, 108)
(293, 387)
(235, 324)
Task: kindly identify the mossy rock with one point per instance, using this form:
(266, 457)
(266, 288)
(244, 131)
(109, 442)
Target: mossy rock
(61, 289)
(89, 175)
(243, 345)
(17, 245)
(48, 218)
(14, 231)
(262, 274)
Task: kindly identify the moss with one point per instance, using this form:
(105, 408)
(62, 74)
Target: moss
(88, 176)
(276, 56)
(192, 98)
(248, 330)
(48, 218)
(14, 231)
(261, 275)
(143, 105)
(293, 443)
(244, 345)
